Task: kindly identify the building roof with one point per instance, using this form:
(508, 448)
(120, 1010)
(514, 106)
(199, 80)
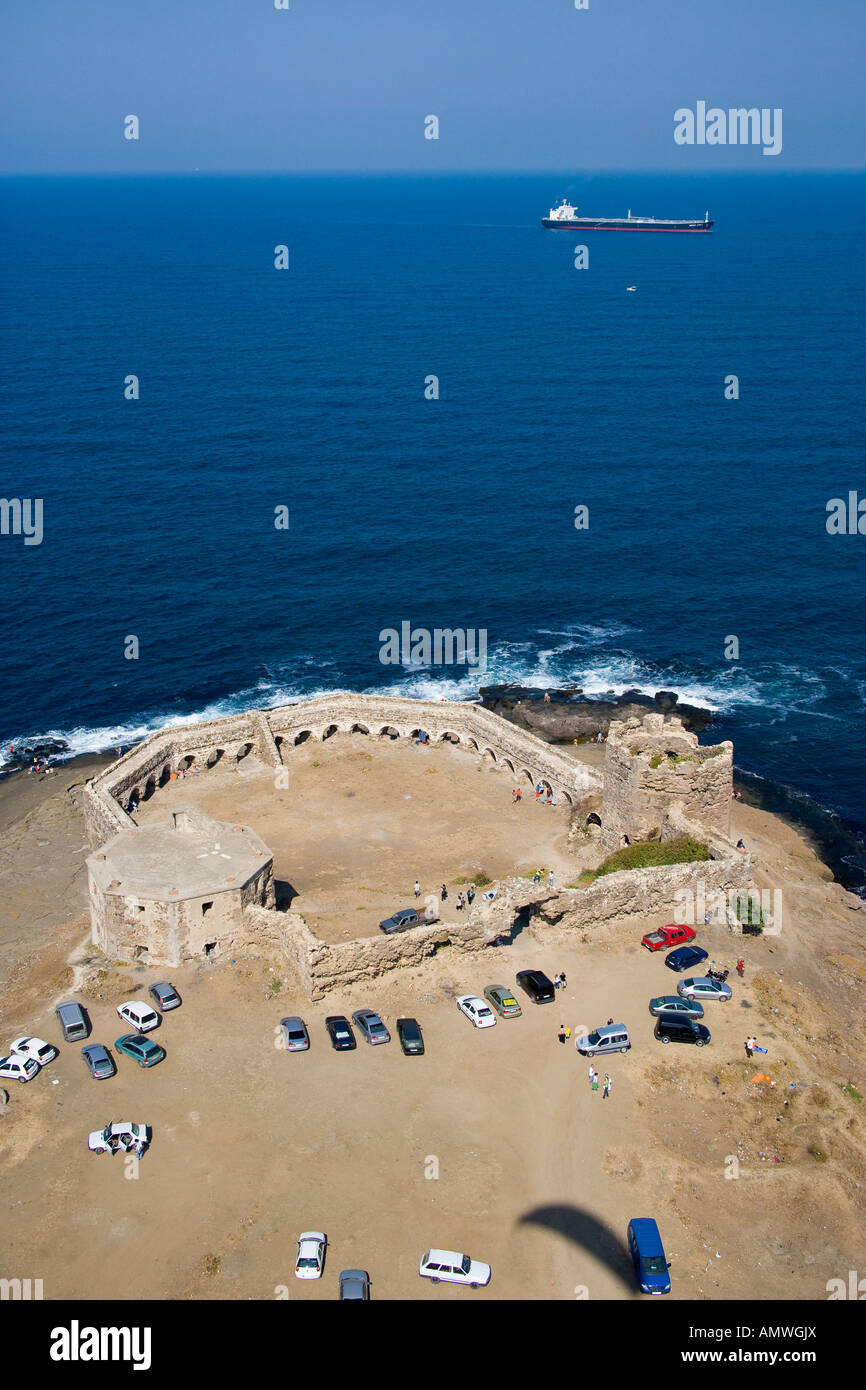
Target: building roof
(187, 856)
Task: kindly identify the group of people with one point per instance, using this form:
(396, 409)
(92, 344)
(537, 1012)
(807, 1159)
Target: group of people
(543, 794)
(538, 875)
(461, 901)
(607, 1084)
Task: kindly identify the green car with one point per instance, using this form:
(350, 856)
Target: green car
(673, 1004)
(503, 1001)
(141, 1049)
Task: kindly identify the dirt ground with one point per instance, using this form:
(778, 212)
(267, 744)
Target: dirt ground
(492, 1142)
(360, 822)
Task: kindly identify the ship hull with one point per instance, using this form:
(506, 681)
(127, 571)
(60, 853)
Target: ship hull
(624, 224)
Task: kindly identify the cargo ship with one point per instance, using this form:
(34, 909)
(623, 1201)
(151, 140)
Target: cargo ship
(565, 215)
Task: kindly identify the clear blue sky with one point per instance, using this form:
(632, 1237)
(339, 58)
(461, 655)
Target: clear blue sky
(346, 84)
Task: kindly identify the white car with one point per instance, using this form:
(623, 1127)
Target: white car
(476, 1010)
(118, 1138)
(311, 1255)
(36, 1048)
(17, 1067)
(139, 1015)
(453, 1268)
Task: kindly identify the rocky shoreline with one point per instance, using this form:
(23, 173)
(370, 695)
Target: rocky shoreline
(569, 714)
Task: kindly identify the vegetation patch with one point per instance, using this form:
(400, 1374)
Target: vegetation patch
(651, 854)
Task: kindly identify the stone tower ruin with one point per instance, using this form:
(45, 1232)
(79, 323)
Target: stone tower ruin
(653, 764)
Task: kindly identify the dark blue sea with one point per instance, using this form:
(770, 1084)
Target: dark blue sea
(558, 387)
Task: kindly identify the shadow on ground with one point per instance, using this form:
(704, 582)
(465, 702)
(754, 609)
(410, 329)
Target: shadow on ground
(590, 1234)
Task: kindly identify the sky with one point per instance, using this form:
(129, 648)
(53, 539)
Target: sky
(237, 85)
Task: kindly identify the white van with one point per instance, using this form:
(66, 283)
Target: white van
(611, 1037)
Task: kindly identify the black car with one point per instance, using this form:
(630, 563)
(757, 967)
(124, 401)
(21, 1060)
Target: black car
(340, 1032)
(410, 1037)
(684, 957)
(536, 985)
(679, 1028)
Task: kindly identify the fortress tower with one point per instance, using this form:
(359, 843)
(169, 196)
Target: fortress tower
(164, 894)
(653, 763)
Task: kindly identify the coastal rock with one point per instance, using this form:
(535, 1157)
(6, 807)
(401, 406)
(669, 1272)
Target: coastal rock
(570, 714)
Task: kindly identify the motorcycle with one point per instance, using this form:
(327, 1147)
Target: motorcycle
(717, 973)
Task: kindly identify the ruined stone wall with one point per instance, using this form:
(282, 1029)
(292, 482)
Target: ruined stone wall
(550, 916)
(642, 780)
(271, 735)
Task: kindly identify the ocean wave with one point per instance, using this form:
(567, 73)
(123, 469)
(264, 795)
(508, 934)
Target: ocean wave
(775, 690)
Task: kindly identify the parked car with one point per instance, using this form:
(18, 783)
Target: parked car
(453, 1268)
(679, 1028)
(409, 1033)
(354, 1285)
(17, 1067)
(536, 985)
(503, 1001)
(36, 1048)
(401, 921)
(666, 937)
(673, 1004)
(142, 1050)
(311, 1255)
(372, 1028)
(295, 1035)
(73, 1020)
(340, 1033)
(476, 1010)
(610, 1037)
(165, 996)
(648, 1256)
(117, 1138)
(684, 957)
(99, 1061)
(704, 988)
(140, 1015)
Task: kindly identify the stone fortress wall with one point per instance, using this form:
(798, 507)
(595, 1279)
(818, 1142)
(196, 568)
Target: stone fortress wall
(641, 804)
(271, 734)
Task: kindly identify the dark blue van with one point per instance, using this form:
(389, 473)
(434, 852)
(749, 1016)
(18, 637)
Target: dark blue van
(648, 1255)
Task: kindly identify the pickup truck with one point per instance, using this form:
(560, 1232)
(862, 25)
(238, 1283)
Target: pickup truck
(666, 937)
(404, 919)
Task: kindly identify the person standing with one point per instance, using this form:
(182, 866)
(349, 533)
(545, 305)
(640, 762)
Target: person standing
(562, 979)
(470, 896)
(417, 889)
(561, 1033)
(741, 967)
(750, 1044)
(606, 1088)
(593, 1077)
(443, 892)
(550, 879)
(459, 903)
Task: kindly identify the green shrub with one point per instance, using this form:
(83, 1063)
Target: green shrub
(650, 854)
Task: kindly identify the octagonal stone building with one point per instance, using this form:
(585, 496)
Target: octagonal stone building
(178, 891)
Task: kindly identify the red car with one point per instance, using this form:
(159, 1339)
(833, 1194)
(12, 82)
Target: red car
(665, 937)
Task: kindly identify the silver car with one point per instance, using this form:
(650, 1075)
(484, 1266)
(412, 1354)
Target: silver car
(354, 1285)
(165, 996)
(372, 1028)
(98, 1060)
(704, 987)
(295, 1035)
